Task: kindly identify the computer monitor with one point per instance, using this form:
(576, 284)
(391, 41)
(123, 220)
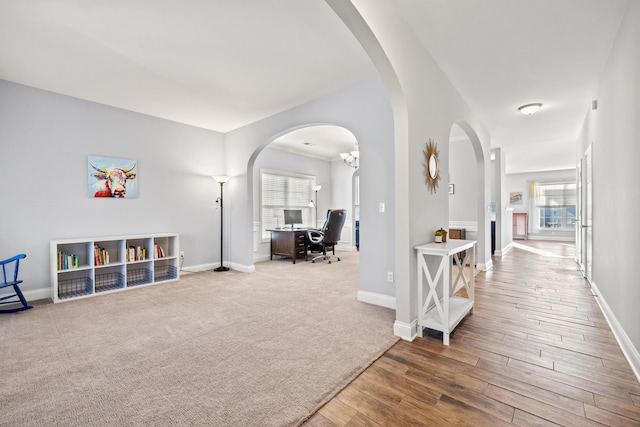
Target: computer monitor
(292, 217)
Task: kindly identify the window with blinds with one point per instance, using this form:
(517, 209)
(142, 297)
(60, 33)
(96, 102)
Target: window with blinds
(556, 204)
(281, 190)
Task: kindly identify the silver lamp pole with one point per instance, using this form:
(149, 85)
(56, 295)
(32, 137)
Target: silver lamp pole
(316, 188)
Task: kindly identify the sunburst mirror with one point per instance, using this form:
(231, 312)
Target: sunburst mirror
(431, 171)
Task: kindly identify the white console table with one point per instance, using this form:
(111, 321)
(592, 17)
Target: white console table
(444, 312)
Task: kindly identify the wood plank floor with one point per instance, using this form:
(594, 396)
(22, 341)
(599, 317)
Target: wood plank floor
(536, 351)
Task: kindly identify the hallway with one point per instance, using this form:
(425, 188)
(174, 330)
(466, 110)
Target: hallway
(536, 351)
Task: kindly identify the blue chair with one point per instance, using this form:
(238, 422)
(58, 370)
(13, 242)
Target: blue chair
(12, 280)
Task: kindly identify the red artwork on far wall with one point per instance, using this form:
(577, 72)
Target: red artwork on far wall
(110, 177)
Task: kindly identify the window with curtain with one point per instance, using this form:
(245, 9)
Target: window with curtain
(554, 205)
(281, 190)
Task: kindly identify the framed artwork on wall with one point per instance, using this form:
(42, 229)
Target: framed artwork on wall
(112, 177)
(515, 197)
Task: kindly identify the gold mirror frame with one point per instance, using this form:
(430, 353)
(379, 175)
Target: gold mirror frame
(432, 171)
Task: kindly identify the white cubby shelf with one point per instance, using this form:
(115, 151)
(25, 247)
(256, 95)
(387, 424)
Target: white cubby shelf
(87, 267)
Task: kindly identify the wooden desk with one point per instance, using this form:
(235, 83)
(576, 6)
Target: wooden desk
(442, 312)
(289, 243)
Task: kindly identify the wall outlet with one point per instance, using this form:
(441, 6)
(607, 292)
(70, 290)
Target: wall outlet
(389, 276)
(381, 207)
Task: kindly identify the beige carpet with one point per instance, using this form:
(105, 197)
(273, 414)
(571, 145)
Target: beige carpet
(215, 349)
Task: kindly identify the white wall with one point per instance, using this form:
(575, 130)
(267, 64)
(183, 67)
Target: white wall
(42, 131)
(463, 174)
(425, 105)
(46, 139)
(364, 110)
(342, 198)
(504, 214)
(613, 130)
(520, 182)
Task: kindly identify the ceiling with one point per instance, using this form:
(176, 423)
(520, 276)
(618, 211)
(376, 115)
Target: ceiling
(324, 142)
(220, 65)
(502, 54)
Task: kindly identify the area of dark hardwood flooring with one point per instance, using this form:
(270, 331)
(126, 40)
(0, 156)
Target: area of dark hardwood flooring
(536, 351)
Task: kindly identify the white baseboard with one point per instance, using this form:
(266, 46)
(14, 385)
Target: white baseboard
(406, 331)
(197, 268)
(553, 238)
(377, 299)
(34, 294)
(505, 250)
(629, 351)
(485, 266)
(241, 267)
(210, 266)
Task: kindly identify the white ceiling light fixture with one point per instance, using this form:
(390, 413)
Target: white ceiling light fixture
(352, 157)
(530, 109)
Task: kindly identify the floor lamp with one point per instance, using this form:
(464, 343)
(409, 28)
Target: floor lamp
(316, 188)
(221, 180)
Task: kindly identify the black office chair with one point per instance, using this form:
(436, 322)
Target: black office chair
(328, 236)
(12, 280)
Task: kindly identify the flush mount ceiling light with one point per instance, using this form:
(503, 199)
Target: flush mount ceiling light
(530, 109)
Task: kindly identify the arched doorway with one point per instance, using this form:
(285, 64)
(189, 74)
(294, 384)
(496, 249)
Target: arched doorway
(307, 152)
(463, 186)
(468, 199)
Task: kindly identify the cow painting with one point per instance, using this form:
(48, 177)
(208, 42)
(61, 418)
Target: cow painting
(112, 180)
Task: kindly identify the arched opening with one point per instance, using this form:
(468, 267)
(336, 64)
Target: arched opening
(463, 186)
(467, 198)
(308, 152)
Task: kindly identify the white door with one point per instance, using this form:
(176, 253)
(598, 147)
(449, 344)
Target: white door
(587, 216)
(579, 241)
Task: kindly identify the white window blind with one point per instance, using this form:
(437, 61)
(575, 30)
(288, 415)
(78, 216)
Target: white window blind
(287, 191)
(553, 205)
(556, 195)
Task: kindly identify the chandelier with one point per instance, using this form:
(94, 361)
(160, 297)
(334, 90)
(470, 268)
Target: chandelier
(351, 158)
